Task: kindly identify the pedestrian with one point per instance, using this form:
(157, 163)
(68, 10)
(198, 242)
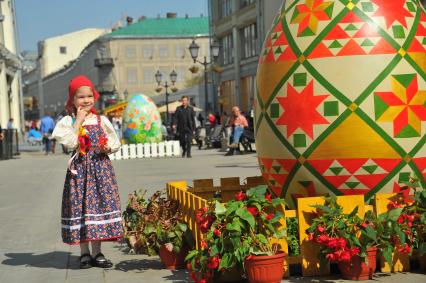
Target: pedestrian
(238, 123)
(200, 119)
(46, 128)
(10, 124)
(184, 123)
(90, 204)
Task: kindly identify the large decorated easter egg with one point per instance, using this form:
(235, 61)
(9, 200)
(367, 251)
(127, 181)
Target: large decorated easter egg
(340, 106)
(141, 120)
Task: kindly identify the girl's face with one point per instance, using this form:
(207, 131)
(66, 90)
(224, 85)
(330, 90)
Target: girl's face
(84, 98)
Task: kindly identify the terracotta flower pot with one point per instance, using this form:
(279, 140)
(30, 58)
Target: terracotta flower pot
(172, 260)
(265, 269)
(356, 269)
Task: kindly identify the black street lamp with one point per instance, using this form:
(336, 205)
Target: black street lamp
(193, 49)
(158, 78)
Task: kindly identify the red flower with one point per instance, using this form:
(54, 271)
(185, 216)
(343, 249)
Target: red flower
(213, 262)
(269, 216)
(345, 256)
(341, 243)
(193, 276)
(217, 232)
(354, 251)
(311, 236)
(205, 226)
(203, 244)
(323, 239)
(268, 197)
(393, 205)
(253, 210)
(330, 257)
(320, 229)
(102, 141)
(400, 219)
(405, 249)
(202, 281)
(332, 243)
(364, 225)
(240, 196)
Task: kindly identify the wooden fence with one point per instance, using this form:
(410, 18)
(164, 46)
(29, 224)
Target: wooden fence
(195, 197)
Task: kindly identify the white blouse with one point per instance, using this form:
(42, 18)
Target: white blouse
(65, 133)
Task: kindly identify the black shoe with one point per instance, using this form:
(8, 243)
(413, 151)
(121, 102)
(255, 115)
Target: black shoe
(85, 261)
(183, 153)
(189, 156)
(100, 261)
(229, 153)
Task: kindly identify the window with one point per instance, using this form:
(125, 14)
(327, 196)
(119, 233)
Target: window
(130, 51)
(132, 75)
(227, 49)
(163, 51)
(181, 73)
(225, 8)
(63, 49)
(249, 41)
(148, 75)
(244, 3)
(148, 52)
(180, 51)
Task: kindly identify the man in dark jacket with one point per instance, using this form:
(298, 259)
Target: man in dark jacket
(184, 123)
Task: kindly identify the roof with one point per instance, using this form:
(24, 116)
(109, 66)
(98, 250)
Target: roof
(164, 27)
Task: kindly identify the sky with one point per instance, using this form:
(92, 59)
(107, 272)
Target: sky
(40, 19)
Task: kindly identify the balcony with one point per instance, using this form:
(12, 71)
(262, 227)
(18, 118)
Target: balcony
(104, 62)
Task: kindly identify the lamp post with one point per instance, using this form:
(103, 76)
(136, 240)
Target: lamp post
(166, 85)
(193, 49)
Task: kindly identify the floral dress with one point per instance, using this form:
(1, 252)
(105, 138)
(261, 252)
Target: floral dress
(90, 203)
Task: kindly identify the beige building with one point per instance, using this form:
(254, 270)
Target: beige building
(10, 64)
(126, 60)
(56, 52)
(240, 26)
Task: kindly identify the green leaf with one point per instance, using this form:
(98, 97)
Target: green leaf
(371, 233)
(277, 201)
(323, 208)
(258, 192)
(245, 215)
(354, 212)
(149, 229)
(182, 227)
(220, 209)
(387, 254)
(394, 214)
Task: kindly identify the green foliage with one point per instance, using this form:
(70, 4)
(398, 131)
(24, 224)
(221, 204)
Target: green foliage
(235, 230)
(293, 236)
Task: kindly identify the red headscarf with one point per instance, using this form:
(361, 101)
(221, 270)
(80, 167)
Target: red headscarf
(75, 84)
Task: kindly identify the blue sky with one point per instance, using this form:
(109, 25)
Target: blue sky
(40, 19)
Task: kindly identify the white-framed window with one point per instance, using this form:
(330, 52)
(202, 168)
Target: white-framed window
(249, 41)
(180, 51)
(163, 51)
(148, 75)
(130, 51)
(132, 75)
(148, 52)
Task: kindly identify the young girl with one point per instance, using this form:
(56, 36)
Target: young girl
(90, 203)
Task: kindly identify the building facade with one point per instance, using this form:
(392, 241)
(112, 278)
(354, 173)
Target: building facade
(10, 64)
(239, 26)
(125, 61)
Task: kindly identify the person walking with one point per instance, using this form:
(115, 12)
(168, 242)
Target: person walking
(184, 124)
(46, 128)
(91, 209)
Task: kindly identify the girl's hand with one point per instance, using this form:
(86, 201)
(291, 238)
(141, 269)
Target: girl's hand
(81, 114)
(104, 148)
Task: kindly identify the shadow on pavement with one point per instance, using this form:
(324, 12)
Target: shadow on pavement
(139, 265)
(178, 276)
(57, 260)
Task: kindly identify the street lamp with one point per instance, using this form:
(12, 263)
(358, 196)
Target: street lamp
(173, 77)
(193, 49)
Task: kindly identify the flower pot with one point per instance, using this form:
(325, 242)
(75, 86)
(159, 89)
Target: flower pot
(172, 260)
(265, 269)
(356, 269)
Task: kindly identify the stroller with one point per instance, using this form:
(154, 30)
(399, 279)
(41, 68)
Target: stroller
(247, 139)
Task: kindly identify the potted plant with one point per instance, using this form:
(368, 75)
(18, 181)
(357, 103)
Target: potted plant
(237, 237)
(132, 219)
(166, 231)
(194, 69)
(345, 239)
